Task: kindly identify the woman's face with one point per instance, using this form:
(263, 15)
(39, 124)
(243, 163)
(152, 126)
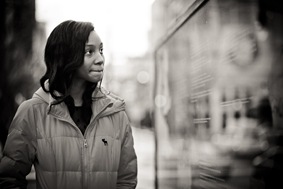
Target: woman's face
(92, 68)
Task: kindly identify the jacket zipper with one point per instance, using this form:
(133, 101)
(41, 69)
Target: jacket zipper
(85, 144)
(84, 164)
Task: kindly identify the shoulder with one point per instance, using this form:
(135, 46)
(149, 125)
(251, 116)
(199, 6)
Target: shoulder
(24, 116)
(30, 103)
(27, 108)
(116, 103)
(111, 95)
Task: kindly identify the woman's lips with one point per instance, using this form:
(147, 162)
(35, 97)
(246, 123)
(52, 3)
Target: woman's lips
(96, 70)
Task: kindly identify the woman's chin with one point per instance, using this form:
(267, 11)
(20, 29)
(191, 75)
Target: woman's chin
(96, 79)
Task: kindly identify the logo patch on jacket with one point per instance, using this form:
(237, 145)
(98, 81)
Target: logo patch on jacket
(105, 142)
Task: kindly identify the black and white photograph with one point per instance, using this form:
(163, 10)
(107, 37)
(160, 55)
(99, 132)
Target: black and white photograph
(141, 94)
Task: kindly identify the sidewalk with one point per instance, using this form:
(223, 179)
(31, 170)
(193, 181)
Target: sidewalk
(144, 146)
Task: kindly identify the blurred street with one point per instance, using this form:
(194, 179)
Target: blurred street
(144, 145)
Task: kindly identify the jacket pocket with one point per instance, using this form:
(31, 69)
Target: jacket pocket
(105, 154)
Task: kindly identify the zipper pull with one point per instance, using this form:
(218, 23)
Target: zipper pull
(85, 143)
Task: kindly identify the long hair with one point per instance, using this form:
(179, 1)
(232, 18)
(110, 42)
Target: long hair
(64, 54)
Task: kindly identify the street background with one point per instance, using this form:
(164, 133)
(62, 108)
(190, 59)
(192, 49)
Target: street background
(202, 81)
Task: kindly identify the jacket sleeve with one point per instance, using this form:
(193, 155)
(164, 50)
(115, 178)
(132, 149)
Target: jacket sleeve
(19, 150)
(127, 172)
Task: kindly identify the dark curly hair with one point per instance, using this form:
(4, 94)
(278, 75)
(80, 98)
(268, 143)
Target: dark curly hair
(64, 54)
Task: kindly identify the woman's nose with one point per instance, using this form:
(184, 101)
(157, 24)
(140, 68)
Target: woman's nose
(99, 59)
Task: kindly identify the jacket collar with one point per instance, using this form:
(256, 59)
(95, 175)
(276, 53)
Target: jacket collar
(103, 103)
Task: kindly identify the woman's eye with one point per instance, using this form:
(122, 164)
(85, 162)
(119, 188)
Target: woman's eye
(101, 51)
(89, 52)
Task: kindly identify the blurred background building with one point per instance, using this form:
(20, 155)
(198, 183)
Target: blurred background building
(22, 43)
(213, 94)
(202, 80)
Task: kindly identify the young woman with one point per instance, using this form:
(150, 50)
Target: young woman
(76, 134)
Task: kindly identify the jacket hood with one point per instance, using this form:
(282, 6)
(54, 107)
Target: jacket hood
(103, 102)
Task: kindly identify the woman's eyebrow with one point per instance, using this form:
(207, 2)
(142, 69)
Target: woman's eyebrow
(91, 45)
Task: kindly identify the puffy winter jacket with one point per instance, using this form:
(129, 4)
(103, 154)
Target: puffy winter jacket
(46, 136)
